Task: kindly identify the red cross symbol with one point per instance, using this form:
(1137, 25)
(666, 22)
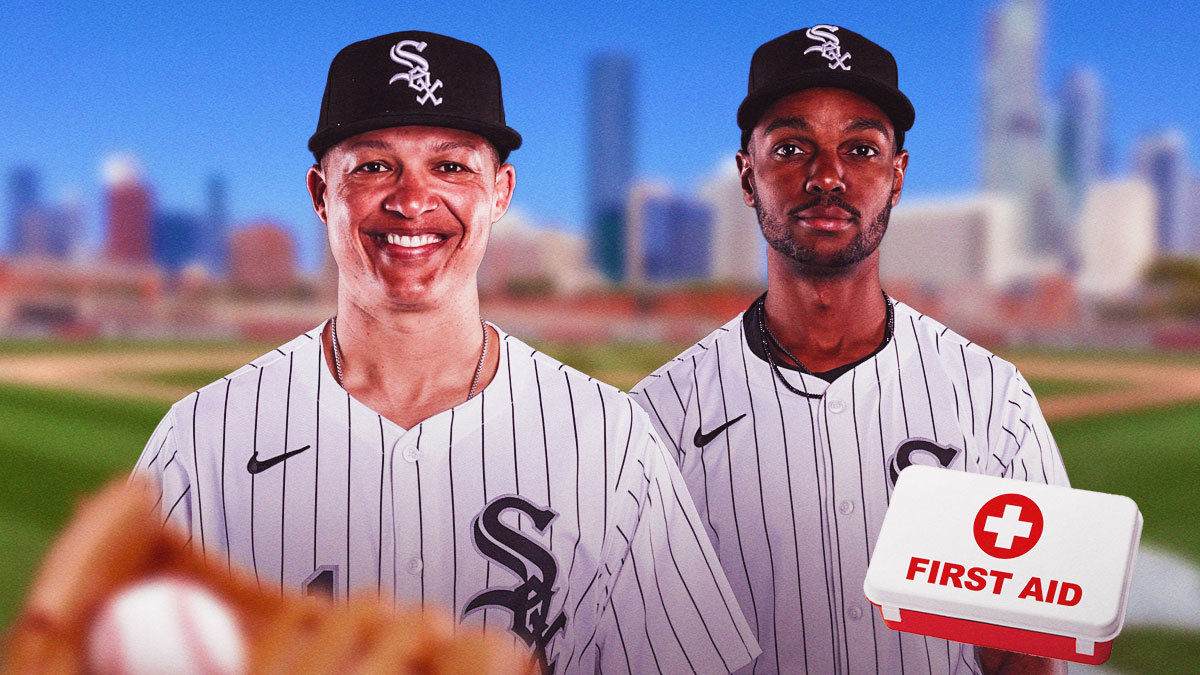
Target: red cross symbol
(1008, 526)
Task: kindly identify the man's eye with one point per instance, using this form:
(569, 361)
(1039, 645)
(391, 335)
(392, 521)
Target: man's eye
(787, 150)
(864, 151)
(372, 167)
(452, 167)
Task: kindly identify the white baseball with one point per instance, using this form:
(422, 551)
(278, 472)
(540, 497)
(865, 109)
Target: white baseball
(166, 625)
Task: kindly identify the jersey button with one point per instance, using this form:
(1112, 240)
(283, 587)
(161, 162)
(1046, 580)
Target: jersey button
(836, 405)
(846, 507)
(856, 613)
(412, 453)
(414, 566)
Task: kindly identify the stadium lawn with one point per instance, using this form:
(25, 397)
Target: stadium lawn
(1049, 387)
(1151, 456)
(36, 346)
(1155, 650)
(185, 377)
(56, 446)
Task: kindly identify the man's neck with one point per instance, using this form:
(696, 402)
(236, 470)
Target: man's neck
(408, 365)
(825, 320)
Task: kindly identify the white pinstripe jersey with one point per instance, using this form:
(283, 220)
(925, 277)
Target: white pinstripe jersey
(546, 505)
(793, 494)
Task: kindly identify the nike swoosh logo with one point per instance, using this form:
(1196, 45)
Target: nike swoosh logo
(255, 466)
(702, 439)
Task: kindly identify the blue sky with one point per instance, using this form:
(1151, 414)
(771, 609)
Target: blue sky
(193, 89)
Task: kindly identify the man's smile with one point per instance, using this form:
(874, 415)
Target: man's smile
(407, 245)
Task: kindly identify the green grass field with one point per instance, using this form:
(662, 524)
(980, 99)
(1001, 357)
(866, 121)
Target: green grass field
(56, 446)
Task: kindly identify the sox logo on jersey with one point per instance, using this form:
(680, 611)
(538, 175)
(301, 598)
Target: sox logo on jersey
(528, 601)
(913, 449)
(546, 506)
(793, 487)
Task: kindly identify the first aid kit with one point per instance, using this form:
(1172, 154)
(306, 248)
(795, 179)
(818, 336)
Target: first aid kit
(1002, 563)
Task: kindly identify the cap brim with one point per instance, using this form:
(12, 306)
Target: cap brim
(504, 138)
(893, 103)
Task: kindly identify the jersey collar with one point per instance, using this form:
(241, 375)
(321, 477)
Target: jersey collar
(755, 339)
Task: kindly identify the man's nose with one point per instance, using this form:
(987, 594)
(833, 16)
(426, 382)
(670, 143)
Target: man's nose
(410, 196)
(825, 175)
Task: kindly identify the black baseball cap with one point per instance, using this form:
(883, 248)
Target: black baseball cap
(824, 56)
(412, 78)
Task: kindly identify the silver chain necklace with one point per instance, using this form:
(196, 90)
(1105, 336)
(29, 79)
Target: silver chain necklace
(764, 333)
(337, 356)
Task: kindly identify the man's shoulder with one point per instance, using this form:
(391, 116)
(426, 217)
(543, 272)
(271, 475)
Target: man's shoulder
(678, 371)
(305, 341)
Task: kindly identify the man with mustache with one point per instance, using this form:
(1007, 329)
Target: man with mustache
(792, 421)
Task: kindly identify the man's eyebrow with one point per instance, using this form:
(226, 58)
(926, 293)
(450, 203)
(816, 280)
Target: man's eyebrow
(864, 123)
(798, 123)
(445, 146)
(368, 143)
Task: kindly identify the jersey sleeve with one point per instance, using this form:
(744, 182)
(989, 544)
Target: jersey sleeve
(669, 608)
(664, 395)
(1025, 449)
(162, 467)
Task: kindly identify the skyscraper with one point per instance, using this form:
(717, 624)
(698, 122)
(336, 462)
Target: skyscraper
(129, 208)
(738, 251)
(1016, 151)
(46, 232)
(634, 234)
(177, 235)
(610, 158)
(23, 196)
(677, 237)
(1161, 160)
(668, 238)
(262, 259)
(214, 235)
(1116, 237)
(1082, 143)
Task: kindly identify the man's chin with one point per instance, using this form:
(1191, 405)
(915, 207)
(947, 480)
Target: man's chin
(833, 262)
(399, 295)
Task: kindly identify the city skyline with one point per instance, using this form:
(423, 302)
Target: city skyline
(192, 99)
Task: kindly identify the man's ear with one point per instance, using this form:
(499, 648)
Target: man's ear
(745, 176)
(506, 182)
(899, 167)
(316, 190)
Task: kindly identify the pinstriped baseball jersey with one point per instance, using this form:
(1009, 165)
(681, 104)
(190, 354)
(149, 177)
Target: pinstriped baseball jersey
(793, 488)
(546, 505)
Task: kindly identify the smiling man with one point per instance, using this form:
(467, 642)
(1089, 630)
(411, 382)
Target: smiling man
(410, 449)
(792, 422)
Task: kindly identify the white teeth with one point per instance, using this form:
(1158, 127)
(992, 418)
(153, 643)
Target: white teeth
(411, 241)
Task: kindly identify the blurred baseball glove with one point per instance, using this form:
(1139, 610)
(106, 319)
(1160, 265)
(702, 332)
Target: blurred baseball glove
(116, 539)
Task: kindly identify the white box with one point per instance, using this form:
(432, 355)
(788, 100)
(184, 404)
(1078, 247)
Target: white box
(1003, 563)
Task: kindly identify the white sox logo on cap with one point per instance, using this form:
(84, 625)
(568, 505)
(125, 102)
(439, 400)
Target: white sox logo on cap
(418, 76)
(830, 47)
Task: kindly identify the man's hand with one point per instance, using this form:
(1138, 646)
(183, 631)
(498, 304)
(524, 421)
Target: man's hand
(1000, 662)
